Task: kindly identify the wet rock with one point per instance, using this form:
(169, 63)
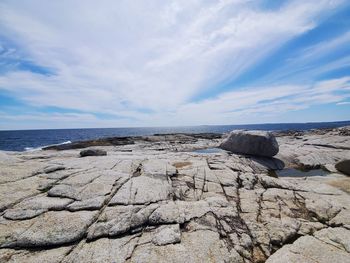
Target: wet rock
(92, 152)
(251, 142)
(343, 166)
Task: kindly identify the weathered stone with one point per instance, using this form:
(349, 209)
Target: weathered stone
(88, 204)
(338, 237)
(44, 202)
(51, 228)
(115, 221)
(21, 214)
(168, 234)
(143, 190)
(14, 192)
(342, 219)
(309, 249)
(343, 166)
(63, 190)
(55, 255)
(103, 250)
(198, 246)
(259, 143)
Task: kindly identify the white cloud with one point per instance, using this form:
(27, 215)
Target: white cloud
(241, 105)
(120, 57)
(343, 103)
(254, 105)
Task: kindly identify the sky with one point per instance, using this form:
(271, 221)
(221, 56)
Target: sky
(87, 63)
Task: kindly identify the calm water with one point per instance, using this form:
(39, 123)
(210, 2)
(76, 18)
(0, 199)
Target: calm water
(30, 139)
(209, 150)
(290, 172)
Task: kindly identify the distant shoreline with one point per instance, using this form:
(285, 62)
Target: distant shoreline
(191, 126)
(21, 140)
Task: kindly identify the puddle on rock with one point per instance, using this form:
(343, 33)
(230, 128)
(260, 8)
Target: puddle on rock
(291, 172)
(209, 150)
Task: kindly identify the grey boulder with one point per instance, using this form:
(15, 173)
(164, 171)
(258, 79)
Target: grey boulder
(343, 166)
(258, 143)
(92, 152)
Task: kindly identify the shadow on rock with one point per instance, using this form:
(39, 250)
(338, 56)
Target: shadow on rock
(271, 163)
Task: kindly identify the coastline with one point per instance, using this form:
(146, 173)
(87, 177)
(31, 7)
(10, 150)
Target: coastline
(155, 198)
(21, 140)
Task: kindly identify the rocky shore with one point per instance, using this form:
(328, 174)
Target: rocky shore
(167, 198)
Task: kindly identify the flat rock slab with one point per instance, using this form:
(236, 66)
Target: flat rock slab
(143, 190)
(48, 229)
(55, 255)
(326, 246)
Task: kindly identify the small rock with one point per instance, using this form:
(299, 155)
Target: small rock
(168, 234)
(259, 143)
(92, 152)
(343, 166)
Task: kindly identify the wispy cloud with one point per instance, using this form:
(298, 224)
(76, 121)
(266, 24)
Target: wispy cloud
(344, 103)
(147, 60)
(254, 104)
(258, 102)
(306, 65)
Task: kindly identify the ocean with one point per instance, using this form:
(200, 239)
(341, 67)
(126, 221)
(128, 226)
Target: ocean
(23, 140)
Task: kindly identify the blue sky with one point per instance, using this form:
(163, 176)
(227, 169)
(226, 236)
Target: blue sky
(67, 64)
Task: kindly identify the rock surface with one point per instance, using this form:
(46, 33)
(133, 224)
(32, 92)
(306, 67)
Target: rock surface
(258, 143)
(343, 166)
(156, 200)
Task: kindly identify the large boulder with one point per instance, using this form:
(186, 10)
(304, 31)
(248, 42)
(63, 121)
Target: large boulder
(259, 143)
(343, 166)
(92, 152)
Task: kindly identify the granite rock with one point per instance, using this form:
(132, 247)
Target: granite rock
(343, 166)
(258, 143)
(153, 199)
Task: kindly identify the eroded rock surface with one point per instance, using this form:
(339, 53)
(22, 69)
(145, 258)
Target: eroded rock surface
(155, 200)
